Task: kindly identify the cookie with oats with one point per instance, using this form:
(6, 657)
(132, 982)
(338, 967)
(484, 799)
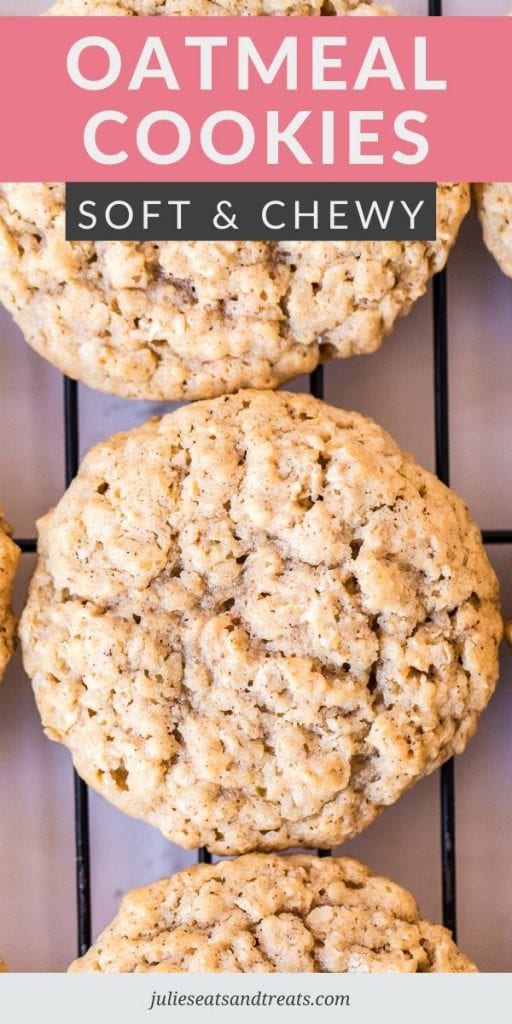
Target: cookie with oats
(256, 622)
(216, 8)
(494, 204)
(191, 320)
(274, 914)
(9, 557)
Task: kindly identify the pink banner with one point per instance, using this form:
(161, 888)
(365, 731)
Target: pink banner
(255, 99)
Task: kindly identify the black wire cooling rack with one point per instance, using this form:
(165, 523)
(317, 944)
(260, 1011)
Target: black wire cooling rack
(442, 463)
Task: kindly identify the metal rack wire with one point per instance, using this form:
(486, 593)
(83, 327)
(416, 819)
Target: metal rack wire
(442, 464)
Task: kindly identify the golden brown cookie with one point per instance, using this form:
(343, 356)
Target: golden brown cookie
(494, 203)
(9, 557)
(256, 622)
(193, 320)
(274, 914)
(220, 7)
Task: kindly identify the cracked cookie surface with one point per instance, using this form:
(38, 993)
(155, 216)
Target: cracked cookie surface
(217, 8)
(274, 914)
(190, 320)
(9, 557)
(256, 622)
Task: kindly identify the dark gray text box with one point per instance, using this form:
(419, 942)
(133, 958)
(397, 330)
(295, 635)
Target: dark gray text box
(197, 211)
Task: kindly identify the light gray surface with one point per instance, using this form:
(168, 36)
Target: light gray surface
(37, 923)
(361, 998)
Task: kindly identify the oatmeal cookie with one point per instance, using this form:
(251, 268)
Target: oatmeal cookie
(494, 203)
(9, 557)
(274, 914)
(215, 8)
(256, 622)
(191, 320)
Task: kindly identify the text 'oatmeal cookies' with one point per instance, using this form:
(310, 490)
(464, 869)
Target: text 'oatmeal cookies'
(256, 622)
(192, 320)
(274, 914)
(9, 558)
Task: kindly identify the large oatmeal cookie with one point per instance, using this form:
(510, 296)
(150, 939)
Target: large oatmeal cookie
(256, 622)
(192, 320)
(267, 913)
(220, 7)
(9, 557)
